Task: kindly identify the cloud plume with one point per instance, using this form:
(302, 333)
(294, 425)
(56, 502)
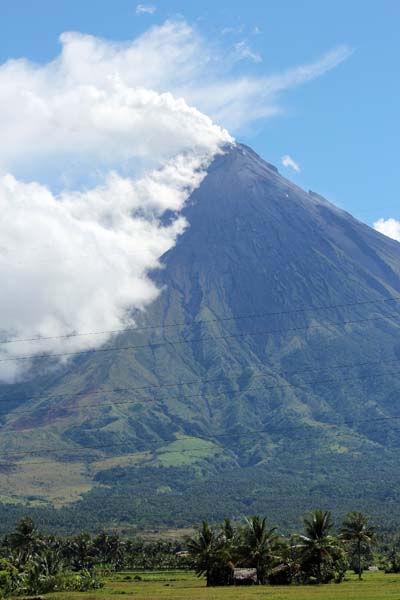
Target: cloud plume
(244, 52)
(91, 163)
(97, 145)
(145, 9)
(290, 163)
(389, 227)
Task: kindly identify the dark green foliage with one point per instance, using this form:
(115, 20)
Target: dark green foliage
(392, 563)
(109, 548)
(8, 577)
(317, 556)
(359, 535)
(259, 547)
(131, 500)
(37, 564)
(203, 551)
(32, 562)
(25, 540)
(297, 407)
(321, 555)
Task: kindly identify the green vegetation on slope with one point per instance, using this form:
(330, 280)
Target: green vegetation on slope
(283, 409)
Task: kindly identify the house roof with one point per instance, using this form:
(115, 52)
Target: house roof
(245, 574)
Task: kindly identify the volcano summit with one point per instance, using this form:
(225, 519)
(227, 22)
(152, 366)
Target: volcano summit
(264, 378)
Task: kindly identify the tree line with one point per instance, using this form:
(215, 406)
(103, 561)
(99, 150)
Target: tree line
(318, 555)
(33, 562)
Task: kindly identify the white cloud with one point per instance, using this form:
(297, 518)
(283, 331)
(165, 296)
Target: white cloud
(237, 101)
(389, 227)
(289, 162)
(96, 145)
(143, 9)
(89, 99)
(77, 258)
(243, 51)
(231, 30)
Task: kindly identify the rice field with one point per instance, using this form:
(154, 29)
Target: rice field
(181, 585)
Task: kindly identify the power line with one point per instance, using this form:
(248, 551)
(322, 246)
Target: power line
(203, 394)
(195, 340)
(263, 375)
(227, 435)
(201, 321)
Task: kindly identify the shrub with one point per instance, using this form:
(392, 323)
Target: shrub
(8, 578)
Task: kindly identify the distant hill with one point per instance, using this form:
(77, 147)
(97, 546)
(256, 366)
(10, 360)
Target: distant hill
(265, 378)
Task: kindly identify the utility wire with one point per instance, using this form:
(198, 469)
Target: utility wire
(196, 340)
(200, 381)
(197, 394)
(201, 321)
(224, 435)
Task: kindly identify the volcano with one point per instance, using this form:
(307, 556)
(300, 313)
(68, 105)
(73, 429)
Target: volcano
(264, 378)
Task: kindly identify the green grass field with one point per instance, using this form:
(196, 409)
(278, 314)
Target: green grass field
(178, 585)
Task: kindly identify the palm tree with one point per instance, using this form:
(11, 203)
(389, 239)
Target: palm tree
(108, 548)
(25, 540)
(80, 552)
(317, 546)
(357, 532)
(227, 551)
(202, 551)
(259, 545)
(227, 530)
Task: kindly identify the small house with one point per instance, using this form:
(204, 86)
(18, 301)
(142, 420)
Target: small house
(244, 576)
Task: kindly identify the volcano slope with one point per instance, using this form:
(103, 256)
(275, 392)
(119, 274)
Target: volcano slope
(265, 378)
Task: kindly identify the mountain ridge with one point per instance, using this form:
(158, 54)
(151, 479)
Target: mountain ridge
(255, 244)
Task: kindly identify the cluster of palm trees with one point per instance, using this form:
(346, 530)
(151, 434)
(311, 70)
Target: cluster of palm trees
(318, 555)
(34, 562)
(31, 563)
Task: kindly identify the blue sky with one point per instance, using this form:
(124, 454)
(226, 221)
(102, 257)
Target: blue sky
(341, 128)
